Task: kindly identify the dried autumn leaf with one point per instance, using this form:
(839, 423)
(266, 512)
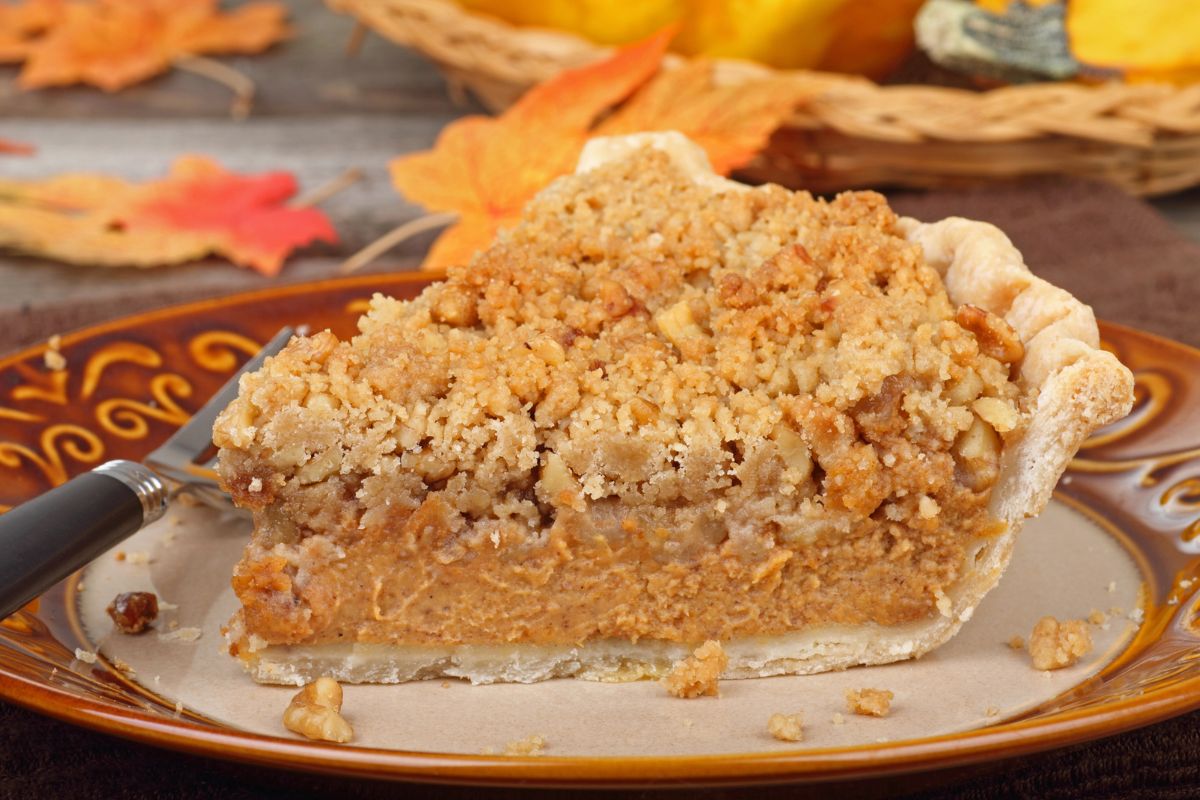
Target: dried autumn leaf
(15, 148)
(731, 123)
(115, 43)
(21, 23)
(486, 169)
(199, 209)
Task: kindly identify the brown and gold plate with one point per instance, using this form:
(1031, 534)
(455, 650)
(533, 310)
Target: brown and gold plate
(1121, 539)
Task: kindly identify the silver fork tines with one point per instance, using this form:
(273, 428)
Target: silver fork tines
(188, 457)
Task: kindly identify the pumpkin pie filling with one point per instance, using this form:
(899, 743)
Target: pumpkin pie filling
(655, 410)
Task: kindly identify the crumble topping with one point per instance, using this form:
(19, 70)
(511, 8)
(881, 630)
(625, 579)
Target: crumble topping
(869, 702)
(698, 675)
(1055, 645)
(786, 727)
(769, 390)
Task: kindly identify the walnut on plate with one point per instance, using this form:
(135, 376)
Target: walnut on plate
(314, 712)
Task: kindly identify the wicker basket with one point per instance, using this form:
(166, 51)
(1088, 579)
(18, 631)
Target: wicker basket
(854, 133)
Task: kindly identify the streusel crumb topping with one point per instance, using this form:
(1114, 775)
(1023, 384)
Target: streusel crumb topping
(756, 373)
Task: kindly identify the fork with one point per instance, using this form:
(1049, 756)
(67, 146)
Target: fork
(45, 539)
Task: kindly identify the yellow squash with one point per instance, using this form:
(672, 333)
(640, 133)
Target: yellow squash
(868, 37)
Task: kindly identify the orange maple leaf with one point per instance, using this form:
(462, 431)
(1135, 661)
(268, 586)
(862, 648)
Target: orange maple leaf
(732, 123)
(487, 168)
(21, 23)
(16, 148)
(115, 43)
(199, 209)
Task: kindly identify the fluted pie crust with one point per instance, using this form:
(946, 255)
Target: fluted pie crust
(665, 408)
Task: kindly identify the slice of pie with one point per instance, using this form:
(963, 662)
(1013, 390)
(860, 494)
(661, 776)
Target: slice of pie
(665, 408)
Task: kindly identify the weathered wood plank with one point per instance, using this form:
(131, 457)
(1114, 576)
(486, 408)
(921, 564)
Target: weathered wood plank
(311, 74)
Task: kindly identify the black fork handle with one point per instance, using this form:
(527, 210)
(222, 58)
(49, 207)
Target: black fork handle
(46, 539)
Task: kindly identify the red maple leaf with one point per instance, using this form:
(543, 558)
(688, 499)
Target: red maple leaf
(243, 216)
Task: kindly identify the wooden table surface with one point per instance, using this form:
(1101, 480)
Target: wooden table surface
(317, 113)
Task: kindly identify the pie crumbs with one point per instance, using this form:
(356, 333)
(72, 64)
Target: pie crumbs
(786, 727)
(698, 674)
(1055, 645)
(869, 702)
(532, 745)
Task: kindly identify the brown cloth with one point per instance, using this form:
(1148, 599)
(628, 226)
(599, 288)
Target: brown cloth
(1110, 250)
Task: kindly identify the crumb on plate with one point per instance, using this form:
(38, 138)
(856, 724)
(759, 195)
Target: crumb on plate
(1097, 617)
(1016, 643)
(53, 358)
(1055, 645)
(786, 727)
(123, 666)
(698, 674)
(181, 635)
(532, 745)
(869, 702)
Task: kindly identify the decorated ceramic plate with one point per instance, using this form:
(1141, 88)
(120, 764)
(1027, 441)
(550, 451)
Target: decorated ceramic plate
(1118, 547)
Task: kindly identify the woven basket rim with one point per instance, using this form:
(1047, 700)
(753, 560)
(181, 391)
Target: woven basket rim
(1144, 137)
(1119, 113)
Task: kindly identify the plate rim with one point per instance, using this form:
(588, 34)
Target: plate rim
(997, 742)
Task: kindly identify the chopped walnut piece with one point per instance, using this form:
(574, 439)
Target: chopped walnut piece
(869, 702)
(615, 299)
(786, 727)
(132, 612)
(532, 745)
(1054, 644)
(735, 291)
(995, 336)
(697, 675)
(679, 325)
(314, 712)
